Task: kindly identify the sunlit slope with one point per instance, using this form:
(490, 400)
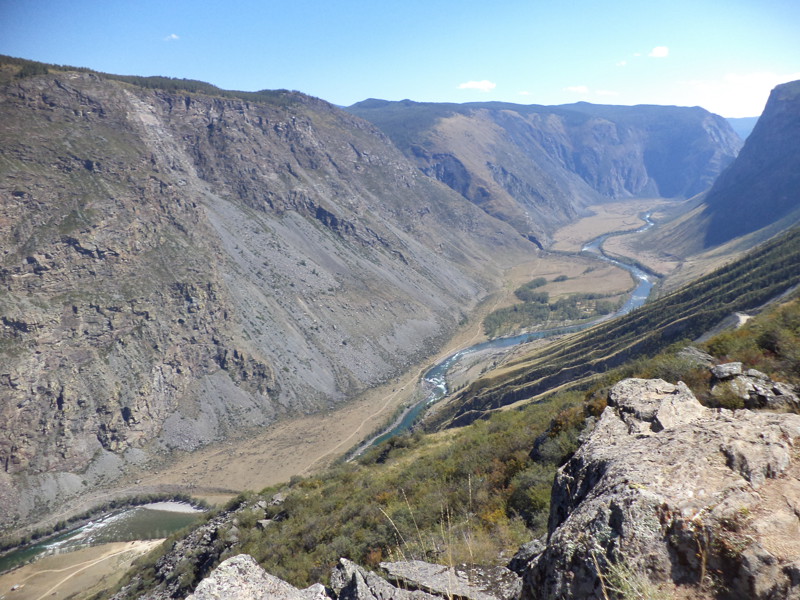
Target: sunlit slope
(745, 284)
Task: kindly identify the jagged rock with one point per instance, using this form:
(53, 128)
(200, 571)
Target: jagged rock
(727, 370)
(755, 388)
(241, 578)
(351, 582)
(677, 495)
(526, 554)
(652, 405)
(469, 583)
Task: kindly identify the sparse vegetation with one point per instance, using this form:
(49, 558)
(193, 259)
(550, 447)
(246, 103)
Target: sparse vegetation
(760, 276)
(466, 495)
(471, 496)
(537, 310)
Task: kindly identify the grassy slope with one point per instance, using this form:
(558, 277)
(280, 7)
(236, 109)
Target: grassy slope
(468, 495)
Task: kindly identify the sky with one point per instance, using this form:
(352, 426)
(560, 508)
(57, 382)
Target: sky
(723, 55)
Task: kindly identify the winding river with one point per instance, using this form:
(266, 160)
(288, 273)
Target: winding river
(434, 382)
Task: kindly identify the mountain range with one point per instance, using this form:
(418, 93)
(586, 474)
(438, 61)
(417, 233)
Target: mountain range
(538, 167)
(178, 263)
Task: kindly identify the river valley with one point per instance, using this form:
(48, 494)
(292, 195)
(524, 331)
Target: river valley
(433, 385)
(307, 444)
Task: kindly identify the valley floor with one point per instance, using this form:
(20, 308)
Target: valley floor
(307, 444)
(76, 574)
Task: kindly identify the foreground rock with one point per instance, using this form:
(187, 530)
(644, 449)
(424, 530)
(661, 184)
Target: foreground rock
(666, 493)
(351, 582)
(469, 583)
(241, 577)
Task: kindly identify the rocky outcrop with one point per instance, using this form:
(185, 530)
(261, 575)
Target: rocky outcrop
(667, 493)
(241, 577)
(466, 582)
(351, 582)
(754, 388)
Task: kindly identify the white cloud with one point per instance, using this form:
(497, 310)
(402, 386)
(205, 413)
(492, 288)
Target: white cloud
(622, 63)
(577, 89)
(525, 93)
(735, 94)
(483, 86)
(659, 52)
(172, 37)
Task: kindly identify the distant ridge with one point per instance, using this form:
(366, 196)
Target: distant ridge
(538, 167)
(743, 126)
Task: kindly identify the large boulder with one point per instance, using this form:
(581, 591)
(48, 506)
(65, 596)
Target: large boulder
(351, 582)
(242, 578)
(465, 582)
(666, 493)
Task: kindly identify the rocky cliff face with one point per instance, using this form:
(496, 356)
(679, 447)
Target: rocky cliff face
(665, 493)
(755, 198)
(174, 265)
(765, 175)
(537, 167)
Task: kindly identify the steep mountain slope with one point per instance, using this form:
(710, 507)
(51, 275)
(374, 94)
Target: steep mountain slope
(762, 187)
(175, 265)
(756, 197)
(537, 167)
(743, 126)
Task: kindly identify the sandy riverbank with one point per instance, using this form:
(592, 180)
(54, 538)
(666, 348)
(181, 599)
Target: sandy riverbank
(78, 574)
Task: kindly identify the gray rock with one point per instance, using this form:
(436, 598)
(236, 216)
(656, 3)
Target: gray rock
(526, 554)
(727, 370)
(673, 493)
(756, 374)
(241, 578)
(756, 389)
(697, 357)
(469, 583)
(351, 582)
(648, 406)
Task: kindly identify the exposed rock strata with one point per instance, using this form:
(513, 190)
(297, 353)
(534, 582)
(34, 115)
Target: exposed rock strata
(175, 267)
(469, 583)
(242, 578)
(679, 495)
(351, 582)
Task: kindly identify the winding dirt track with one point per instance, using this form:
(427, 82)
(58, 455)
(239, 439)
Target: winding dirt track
(47, 578)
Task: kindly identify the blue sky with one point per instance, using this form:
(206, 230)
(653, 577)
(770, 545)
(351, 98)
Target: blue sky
(722, 55)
